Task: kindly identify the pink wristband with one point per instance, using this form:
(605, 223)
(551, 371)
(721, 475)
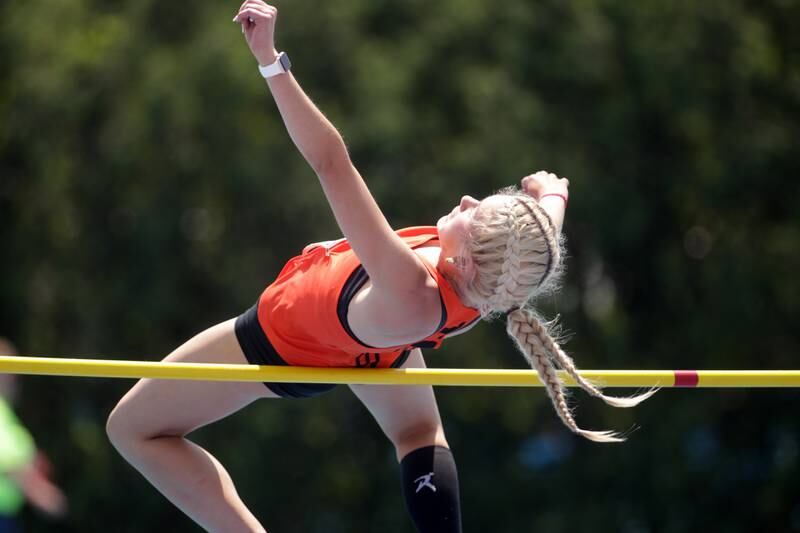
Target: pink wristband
(555, 194)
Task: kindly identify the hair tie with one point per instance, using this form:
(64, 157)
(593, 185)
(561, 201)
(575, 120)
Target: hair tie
(511, 310)
(562, 196)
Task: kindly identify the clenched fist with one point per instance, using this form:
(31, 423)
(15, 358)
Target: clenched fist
(543, 182)
(258, 25)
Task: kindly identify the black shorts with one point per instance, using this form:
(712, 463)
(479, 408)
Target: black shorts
(259, 351)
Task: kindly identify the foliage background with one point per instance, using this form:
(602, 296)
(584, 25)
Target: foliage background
(148, 189)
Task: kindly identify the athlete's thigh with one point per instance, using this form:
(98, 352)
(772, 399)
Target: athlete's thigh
(176, 407)
(403, 411)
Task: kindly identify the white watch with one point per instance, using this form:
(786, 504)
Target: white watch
(280, 66)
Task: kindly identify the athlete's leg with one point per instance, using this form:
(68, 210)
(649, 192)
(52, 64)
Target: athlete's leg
(150, 424)
(410, 418)
(407, 414)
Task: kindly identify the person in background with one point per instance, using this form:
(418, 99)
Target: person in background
(24, 470)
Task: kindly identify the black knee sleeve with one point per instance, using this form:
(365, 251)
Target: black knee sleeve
(430, 487)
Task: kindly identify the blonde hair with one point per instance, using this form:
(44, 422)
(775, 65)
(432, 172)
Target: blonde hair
(516, 255)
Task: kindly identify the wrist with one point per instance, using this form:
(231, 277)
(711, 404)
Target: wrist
(281, 65)
(267, 58)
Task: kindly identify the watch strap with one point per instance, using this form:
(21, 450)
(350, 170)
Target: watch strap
(281, 65)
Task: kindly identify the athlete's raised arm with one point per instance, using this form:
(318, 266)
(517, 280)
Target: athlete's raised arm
(551, 192)
(389, 261)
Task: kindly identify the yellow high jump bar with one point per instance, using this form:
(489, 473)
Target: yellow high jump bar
(53, 366)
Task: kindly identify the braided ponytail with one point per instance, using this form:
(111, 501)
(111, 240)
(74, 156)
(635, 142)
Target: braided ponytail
(566, 363)
(518, 254)
(542, 352)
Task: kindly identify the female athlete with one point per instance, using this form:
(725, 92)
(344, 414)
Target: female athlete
(372, 299)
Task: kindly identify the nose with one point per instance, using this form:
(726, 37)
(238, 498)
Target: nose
(467, 202)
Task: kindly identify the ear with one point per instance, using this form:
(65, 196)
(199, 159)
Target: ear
(463, 265)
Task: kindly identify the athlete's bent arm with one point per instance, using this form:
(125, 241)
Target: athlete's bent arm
(391, 264)
(551, 192)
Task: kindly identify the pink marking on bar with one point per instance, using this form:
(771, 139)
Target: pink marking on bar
(686, 378)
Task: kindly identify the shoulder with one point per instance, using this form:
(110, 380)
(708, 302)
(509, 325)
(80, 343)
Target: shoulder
(419, 310)
(382, 318)
(419, 314)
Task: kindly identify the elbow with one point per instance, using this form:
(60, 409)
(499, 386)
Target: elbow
(332, 157)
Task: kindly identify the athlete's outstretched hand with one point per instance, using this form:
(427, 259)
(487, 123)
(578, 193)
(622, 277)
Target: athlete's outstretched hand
(258, 25)
(543, 182)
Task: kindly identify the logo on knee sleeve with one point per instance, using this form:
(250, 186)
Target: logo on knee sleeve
(425, 481)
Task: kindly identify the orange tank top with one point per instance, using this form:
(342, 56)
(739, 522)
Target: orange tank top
(304, 311)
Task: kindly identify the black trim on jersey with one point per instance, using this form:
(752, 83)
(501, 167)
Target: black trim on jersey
(351, 287)
(443, 321)
(400, 361)
(354, 283)
(424, 344)
(463, 325)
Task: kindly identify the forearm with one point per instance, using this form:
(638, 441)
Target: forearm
(551, 192)
(555, 207)
(312, 133)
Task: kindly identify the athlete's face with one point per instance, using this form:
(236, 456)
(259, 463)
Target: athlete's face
(454, 227)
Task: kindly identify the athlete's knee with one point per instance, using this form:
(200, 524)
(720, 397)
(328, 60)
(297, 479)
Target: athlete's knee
(117, 428)
(415, 435)
(122, 429)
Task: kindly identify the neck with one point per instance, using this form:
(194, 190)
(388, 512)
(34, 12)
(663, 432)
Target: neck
(448, 271)
(452, 278)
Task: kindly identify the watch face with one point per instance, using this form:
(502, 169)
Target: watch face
(285, 63)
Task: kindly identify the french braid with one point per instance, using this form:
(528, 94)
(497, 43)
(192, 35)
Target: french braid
(513, 252)
(508, 282)
(565, 362)
(526, 330)
(517, 253)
